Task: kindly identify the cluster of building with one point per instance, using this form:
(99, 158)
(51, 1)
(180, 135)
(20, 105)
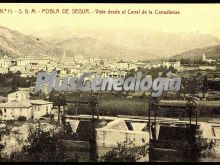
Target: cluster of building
(208, 60)
(19, 104)
(75, 66)
(78, 64)
(209, 64)
(29, 66)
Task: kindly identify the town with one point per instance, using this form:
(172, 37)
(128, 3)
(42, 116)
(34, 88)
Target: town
(90, 119)
(96, 83)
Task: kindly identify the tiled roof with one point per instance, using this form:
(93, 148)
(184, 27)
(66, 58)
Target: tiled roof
(23, 104)
(40, 102)
(16, 104)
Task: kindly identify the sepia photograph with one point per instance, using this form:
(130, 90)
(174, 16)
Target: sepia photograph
(109, 82)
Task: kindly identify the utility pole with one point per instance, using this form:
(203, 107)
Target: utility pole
(153, 105)
(60, 101)
(93, 103)
(77, 101)
(191, 106)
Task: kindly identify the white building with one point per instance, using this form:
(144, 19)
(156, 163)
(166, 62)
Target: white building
(66, 60)
(31, 109)
(18, 96)
(14, 109)
(19, 104)
(40, 108)
(175, 64)
(204, 59)
(22, 61)
(78, 58)
(5, 62)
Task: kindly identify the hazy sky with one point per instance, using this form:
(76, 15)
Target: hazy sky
(204, 18)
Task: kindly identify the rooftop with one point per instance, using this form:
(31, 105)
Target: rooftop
(15, 104)
(40, 102)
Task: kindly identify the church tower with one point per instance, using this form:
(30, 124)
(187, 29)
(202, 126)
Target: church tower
(203, 57)
(64, 54)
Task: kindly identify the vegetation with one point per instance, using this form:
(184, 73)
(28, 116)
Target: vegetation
(135, 106)
(192, 62)
(42, 145)
(125, 152)
(113, 107)
(200, 148)
(9, 82)
(22, 118)
(3, 52)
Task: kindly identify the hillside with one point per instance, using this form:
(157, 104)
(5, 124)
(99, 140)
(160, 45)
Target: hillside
(3, 52)
(105, 43)
(91, 47)
(161, 44)
(18, 44)
(195, 54)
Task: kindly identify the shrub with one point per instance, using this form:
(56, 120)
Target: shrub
(125, 152)
(42, 145)
(201, 148)
(22, 118)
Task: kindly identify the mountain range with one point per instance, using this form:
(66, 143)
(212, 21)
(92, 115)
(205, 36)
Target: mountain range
(103, 43)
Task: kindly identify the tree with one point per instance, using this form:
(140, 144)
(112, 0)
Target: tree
(183, 88)
(172, 69)
(200, 148)
(53, 96)
(193, 85)
(22, 118)
(9, 81)
(184, 61)
(43, 146)
(204, 86)
(125, 152)
(1, 147)
(18, 73)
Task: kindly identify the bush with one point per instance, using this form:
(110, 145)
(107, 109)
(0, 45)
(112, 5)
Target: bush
(202, 148)
(42, 145)
(125, 152)
(22, 118)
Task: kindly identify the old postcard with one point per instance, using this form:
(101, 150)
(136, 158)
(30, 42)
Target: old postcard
(109, 82)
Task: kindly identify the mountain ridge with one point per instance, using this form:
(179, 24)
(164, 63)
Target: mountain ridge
(152, 41)
(104, 44)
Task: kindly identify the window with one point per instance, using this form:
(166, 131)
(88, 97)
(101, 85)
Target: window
(216, 131)
(5, 110)
(47, 109)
